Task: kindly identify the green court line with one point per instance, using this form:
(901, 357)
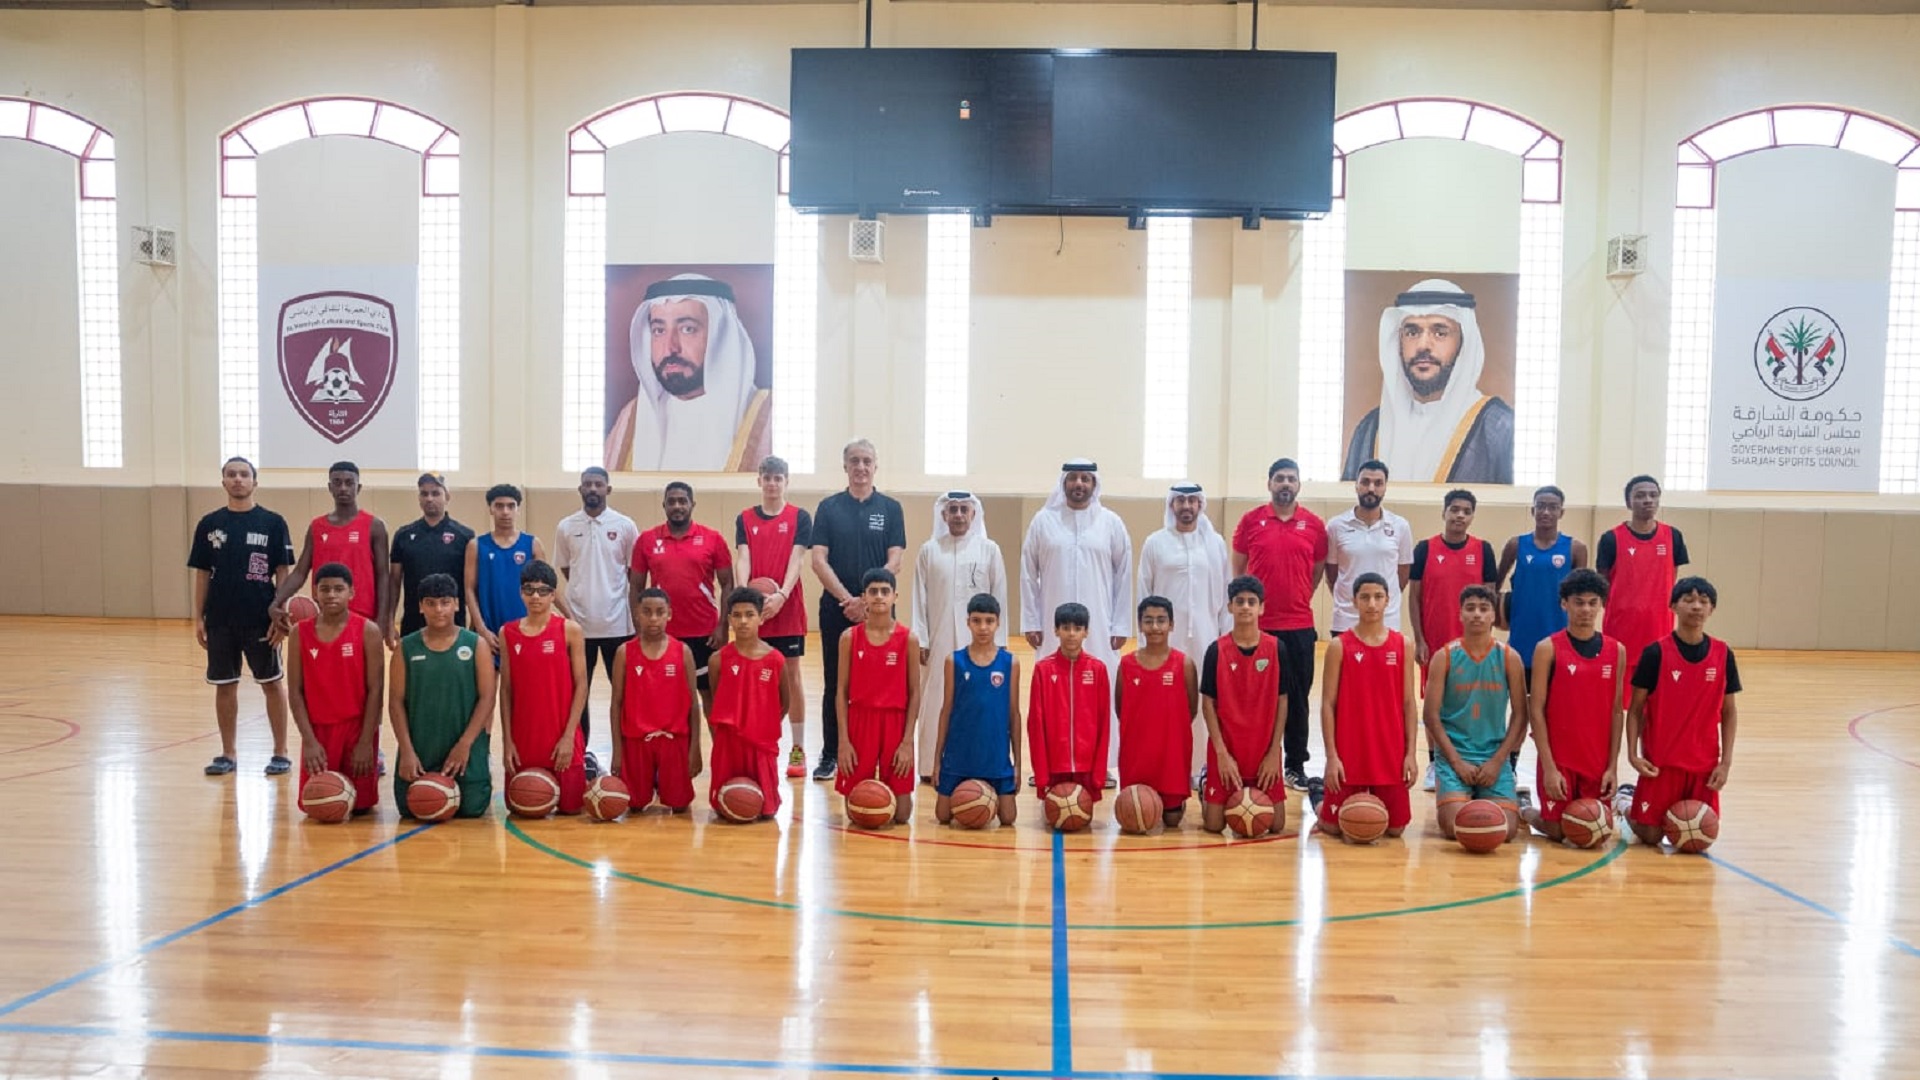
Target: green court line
(514, 830)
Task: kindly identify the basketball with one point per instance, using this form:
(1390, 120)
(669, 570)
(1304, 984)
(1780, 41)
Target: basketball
(532, 793)
(301, 607)
(1692, 826)
(1586, 823)
(1138, 809)
(1068, 806)
(870, 804)
(607, 798)
(1363, 818)
(327, 797)
(741, 800)
(765, 586)
(433, 797)
(1480, 826)
(1249, 812)
(973, 805)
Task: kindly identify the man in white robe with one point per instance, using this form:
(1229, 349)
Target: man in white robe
(698, 407)
(1186, 562)
(1078, 551)
(958, 563)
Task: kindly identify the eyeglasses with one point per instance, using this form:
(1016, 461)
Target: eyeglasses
(536, 590)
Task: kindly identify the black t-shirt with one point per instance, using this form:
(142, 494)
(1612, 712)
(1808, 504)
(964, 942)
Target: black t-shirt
(241, 550)
(420, 549)
(1208, 686)
(1489, 567)
(1607, 551)
(1646, 673)
(857, 535)
(802, 528)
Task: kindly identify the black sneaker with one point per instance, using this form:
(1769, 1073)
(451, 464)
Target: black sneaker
(592, 767)
(828, 766)
(1316, 791)
(1296, 778)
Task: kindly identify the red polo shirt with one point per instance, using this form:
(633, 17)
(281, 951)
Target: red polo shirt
(1283, 555)
(687, 568)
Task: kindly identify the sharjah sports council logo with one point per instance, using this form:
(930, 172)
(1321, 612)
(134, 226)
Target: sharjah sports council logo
(1800, 353)
(337, 353)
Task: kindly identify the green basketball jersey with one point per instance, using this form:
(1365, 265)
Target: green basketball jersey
(440, 693)
(1474, 708)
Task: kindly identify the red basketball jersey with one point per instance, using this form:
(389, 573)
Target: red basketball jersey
(542, 686)
(746, 696)
(333, 674)
(1639, 587)
(350, 544)
(1447, 572)
(1246, 695)
(656, 697)
(1683, 714)
(1156, 724)
(1579, 704)
(769, 549)
(1369, 713)
(877, 674)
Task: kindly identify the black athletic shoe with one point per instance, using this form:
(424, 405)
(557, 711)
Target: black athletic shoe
(826, 768)
(1316, 791)
(1296, 778)
(592, 767)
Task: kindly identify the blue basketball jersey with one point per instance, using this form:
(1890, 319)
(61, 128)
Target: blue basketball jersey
(497, 579)
(979, 730)
(1536, 613)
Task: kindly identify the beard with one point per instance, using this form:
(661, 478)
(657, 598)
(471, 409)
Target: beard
(679, 378)
(1369, 501)
(1426, 387)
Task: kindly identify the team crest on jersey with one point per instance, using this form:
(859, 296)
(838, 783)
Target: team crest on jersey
(1606, 671)
(672, 669)
(519, 557)
(1660, 549)
(446, 538)
(1559, 561)
(1300, 526)
(546, 647)
(613, 534)
(337, 359)
(1713, 674)
(217, 538)
(1166, 678)
(766, 674)
(1393, 659)
(893, 659)
(346, 649)
(464, 652)
(1260, 665)
(1471, 559)
(783, 529)
(353, 536)
(996, 680)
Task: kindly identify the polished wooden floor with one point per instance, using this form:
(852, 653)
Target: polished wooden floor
(156, 922)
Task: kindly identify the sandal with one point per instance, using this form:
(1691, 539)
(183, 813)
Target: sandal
(220, 766)
(278, 764)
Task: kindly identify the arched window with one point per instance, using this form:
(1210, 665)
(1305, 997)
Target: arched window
(98, 228)
(1542, 241)
(439, 291)
(584, 301)
(1695, 233)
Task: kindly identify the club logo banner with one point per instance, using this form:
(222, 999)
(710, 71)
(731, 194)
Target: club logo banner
(339, 376)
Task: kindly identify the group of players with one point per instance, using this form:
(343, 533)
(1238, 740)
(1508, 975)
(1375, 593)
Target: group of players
(470, 618)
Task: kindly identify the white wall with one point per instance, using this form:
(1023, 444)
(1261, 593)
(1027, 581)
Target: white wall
(1619, 88)
(39, 311)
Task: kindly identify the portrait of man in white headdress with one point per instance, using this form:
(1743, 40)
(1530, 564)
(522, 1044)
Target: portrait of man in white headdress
(699, 405)
(1440, 417)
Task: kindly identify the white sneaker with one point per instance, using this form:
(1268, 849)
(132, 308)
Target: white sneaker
(1426, 782)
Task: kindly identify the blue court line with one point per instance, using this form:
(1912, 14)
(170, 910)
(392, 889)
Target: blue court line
(1814, 905)
(162, 942)
(615, 1058)
(1062, 985)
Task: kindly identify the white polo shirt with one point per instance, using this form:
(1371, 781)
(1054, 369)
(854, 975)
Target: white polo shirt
(1354, 548)
(595, 552)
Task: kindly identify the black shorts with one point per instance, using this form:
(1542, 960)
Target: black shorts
(227, 644)
(791, 646)
(702, 652)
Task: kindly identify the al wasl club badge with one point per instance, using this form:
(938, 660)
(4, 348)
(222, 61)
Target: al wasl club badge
(1800, 353)
(337, 359)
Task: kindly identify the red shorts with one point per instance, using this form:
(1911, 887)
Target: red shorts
(339, 739)
(1084, 779)
(1158, 753)
(1652, 795)
(732, 756)
(1214, 793)
(656, 763)
(875, 735)
(1399, 805)
(1579, 786)
(536, 752)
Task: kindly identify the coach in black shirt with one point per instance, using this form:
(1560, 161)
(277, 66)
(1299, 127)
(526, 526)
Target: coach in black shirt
(432, 544)
(855, 531)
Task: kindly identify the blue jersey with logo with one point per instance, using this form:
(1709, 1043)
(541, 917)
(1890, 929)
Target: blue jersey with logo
(979, 730)
(1536, 614)
(497, 579)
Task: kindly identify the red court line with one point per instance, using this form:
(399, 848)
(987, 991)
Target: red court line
(1853, 729)
(72, 730)
(92, 764)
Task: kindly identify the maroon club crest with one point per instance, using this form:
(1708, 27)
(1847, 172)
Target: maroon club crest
(337, 353)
